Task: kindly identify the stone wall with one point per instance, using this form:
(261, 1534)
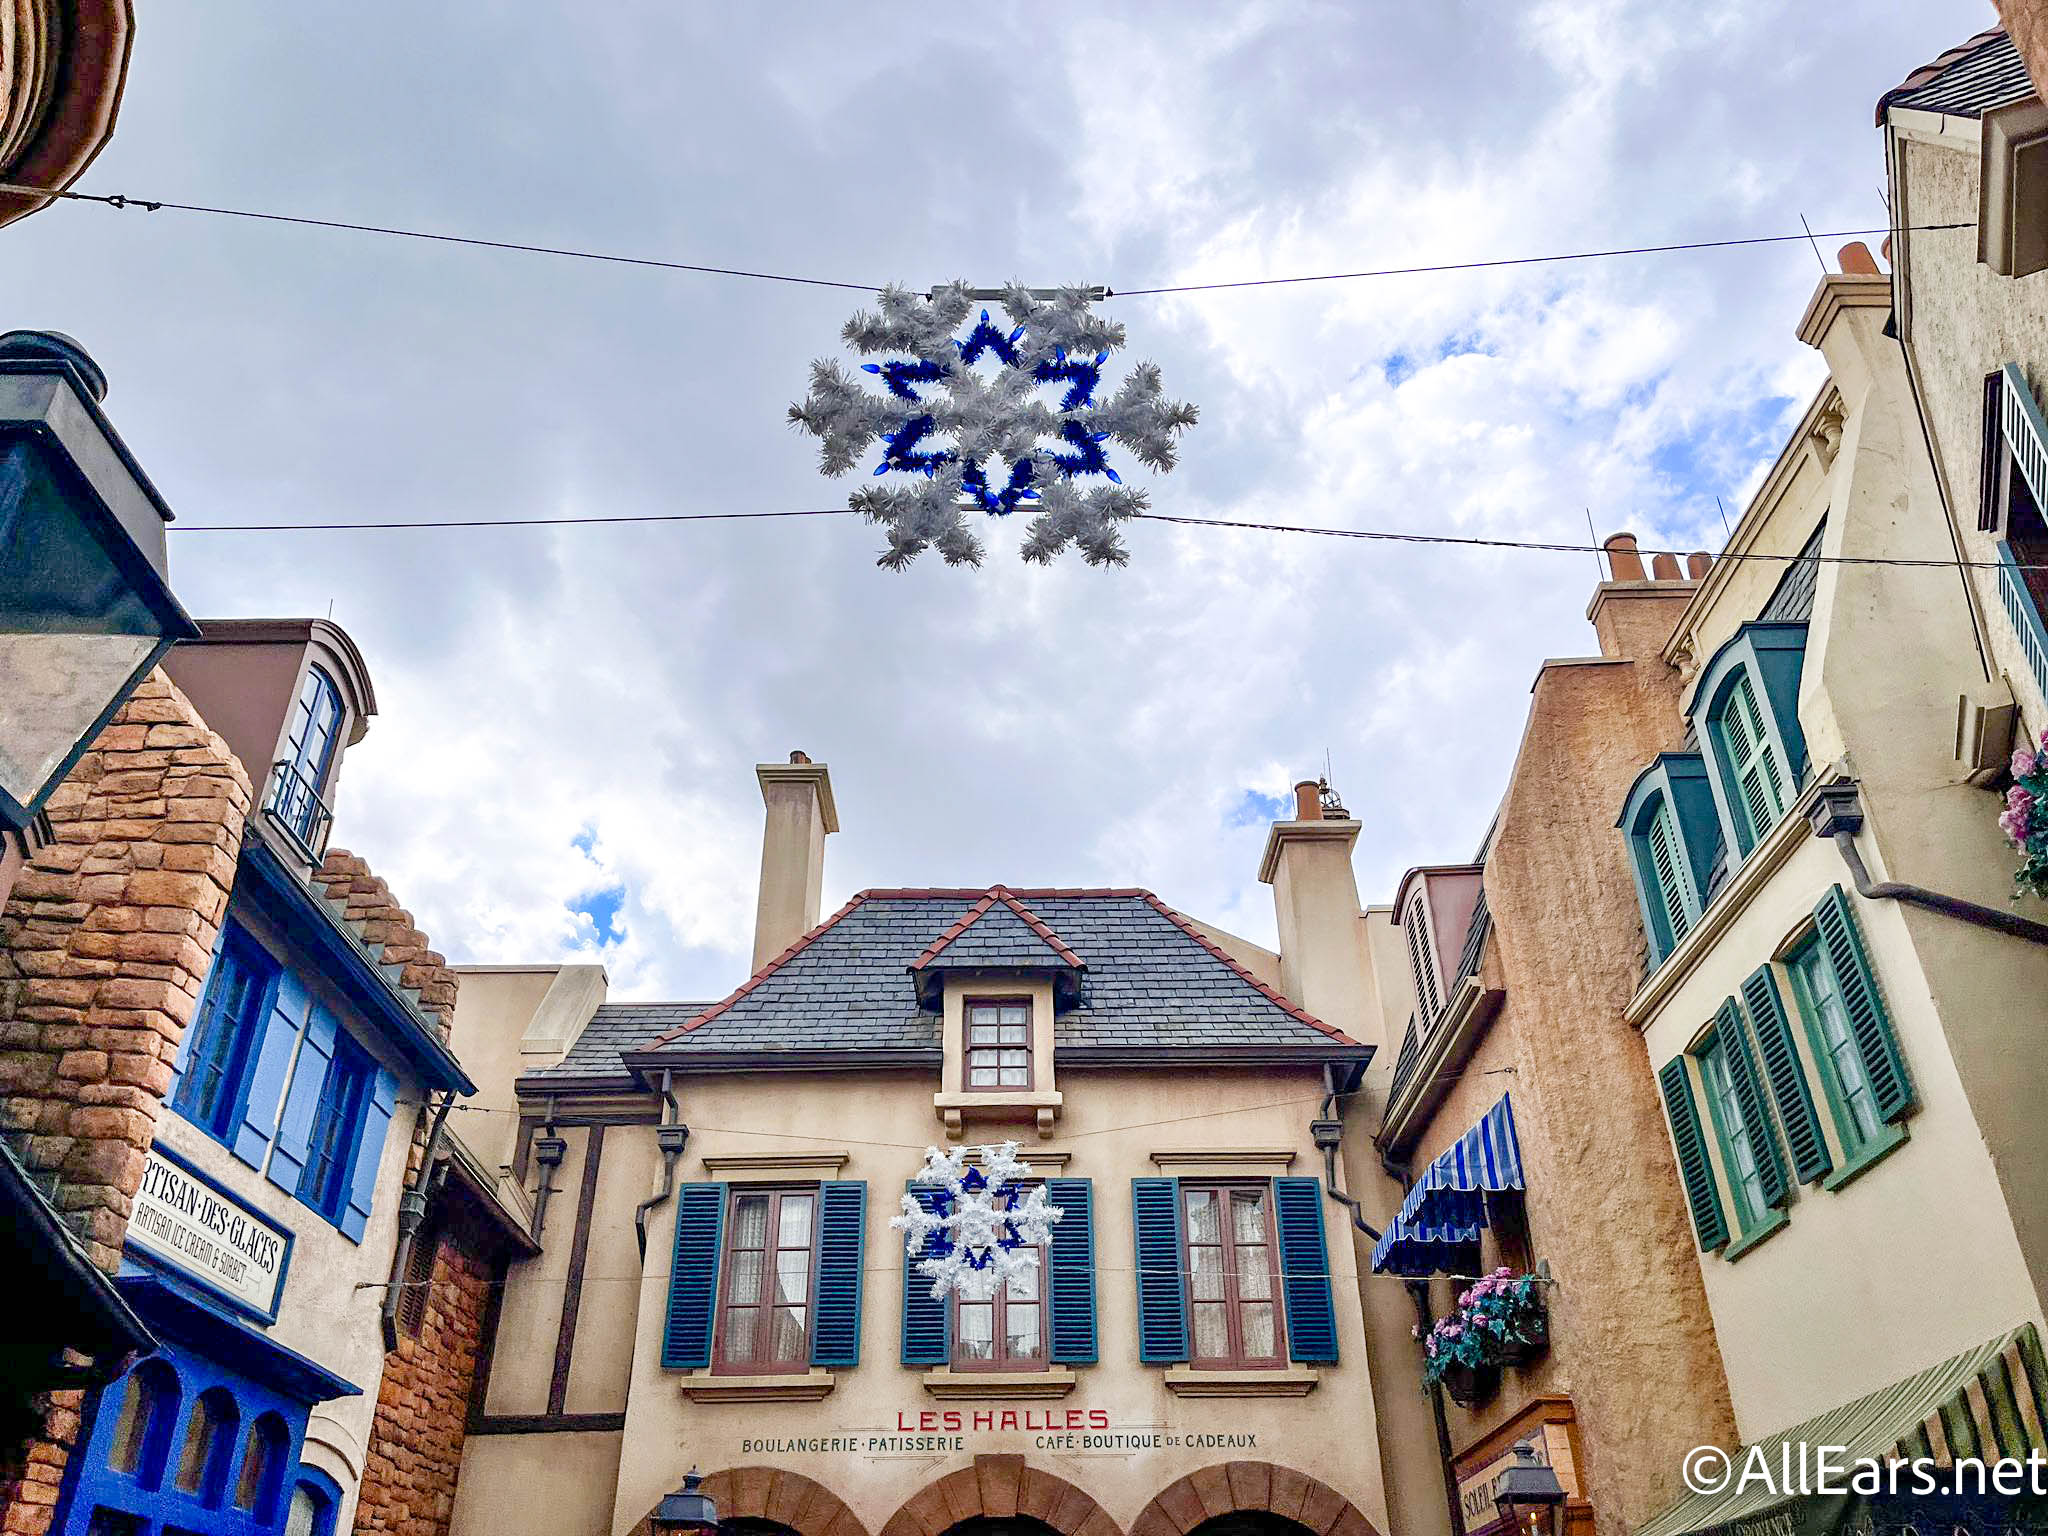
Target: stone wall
(105, 942)
(367, 903)
(416, 1439)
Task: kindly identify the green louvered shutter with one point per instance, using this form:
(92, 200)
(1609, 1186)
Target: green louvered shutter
(1305, 1271)
(1694, 1171)
(693, 1277)
(1162, 1278)
(1752, 764)
(927, 1331)
(1787, 1078)
(1071, 1261)
(1673, 890)
(1749, 1092)
(1872, 1030)
(842, 1235)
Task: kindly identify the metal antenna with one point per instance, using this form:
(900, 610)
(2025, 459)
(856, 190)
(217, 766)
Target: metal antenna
(1815, 244)
(1593, 534)
(1726, 531)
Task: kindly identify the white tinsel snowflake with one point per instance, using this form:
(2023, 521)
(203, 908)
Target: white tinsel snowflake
(968, 442)
(982, 1235)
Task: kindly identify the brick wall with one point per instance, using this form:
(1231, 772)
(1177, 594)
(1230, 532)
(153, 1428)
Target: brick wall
(423, 1402)
(104, 946)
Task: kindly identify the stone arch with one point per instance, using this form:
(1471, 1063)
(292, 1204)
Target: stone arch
(1002, 1488)
(1247, 1487)
(780, 1497)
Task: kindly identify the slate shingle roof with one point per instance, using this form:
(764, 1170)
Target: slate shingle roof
(1791, 601)
(999, 931)
(1966, 81)
(1153, 983)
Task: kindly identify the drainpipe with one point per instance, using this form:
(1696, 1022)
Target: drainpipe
(1838, 814)
(1326, 1130)
(1418, 1291)
(412, 1212)
(548, 1151)
(671, 1136)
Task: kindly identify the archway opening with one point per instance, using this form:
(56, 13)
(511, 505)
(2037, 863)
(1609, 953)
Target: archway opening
(1001, 1525)
(1251, 1522)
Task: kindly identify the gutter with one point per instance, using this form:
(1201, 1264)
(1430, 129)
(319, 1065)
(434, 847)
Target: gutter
(671, 1136)
(412, 1213)
(1837, 813)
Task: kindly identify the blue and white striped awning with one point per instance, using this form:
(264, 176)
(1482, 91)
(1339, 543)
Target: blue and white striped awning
(1438, 1227)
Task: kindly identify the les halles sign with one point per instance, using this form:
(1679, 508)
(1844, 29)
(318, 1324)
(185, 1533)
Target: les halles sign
(187, 1221)
(1051, 1429)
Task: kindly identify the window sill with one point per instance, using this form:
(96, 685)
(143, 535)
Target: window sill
(1887, 1140)
(789, 1387)
(1292, 1380)
(946, 1383)
(1037, 1104)
(1755, 1235)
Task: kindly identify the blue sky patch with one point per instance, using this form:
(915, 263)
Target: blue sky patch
(601, 908)
(1254, 809)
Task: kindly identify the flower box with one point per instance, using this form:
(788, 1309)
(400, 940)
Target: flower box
(1471, 1385)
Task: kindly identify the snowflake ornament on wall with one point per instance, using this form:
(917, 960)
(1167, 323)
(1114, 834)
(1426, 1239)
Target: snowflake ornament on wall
(978, 1233)
(1029, 431)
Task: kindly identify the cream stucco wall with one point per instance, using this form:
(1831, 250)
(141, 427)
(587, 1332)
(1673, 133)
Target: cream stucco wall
(876, 1126)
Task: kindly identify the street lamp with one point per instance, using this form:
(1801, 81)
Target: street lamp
(687, 1511)
(85, 606)
(1528, 1495)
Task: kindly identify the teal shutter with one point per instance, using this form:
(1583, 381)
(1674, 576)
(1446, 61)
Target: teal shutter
(1787, 1078)
(302, 1100)
(1070, 1258)
(273, 1059)
(1694, 1171)
(1875, 1042)
(693, 1277)
(1162, 1270)
(1763, 1141)
(927, 1319)
(369, 1154)
(842, 1235)
(1305, 1271)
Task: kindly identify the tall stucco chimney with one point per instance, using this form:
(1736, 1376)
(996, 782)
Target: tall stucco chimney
(1323, 961)
(800, 812)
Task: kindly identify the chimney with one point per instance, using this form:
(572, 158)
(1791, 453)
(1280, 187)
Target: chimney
(1623, 563)
(800, 812)
(1323, 961)
(1634, 611)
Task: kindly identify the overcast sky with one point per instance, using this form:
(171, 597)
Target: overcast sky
(562, 764)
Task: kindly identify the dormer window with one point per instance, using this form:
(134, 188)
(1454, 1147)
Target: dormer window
(1756, 780)
(1747, 698)
(308, 754)
(1673, 840)
(998, 1043)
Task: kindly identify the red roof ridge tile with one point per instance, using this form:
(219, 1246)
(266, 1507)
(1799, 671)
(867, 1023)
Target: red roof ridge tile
(989, 899)
(758, 977)
(1935, 66)
(1187, 926)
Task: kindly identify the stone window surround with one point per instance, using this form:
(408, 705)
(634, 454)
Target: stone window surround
(955, 1104)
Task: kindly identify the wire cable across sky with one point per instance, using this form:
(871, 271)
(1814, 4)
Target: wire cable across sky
(122, 201)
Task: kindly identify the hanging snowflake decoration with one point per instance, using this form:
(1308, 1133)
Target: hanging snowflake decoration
(977, 1231)
(1032, 432)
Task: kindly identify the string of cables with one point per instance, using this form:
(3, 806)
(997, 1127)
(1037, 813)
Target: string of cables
(123, 201)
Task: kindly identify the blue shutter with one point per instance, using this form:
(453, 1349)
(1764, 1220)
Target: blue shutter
(1694, 1171)
(1305, 1271)
(693, 1277)
(842, 1234)
(1162, 1270)
(302, 1100)
(927, 1319)
(1071, 1260)
(271, 1060)
(369, 1152)
(1868, 1024)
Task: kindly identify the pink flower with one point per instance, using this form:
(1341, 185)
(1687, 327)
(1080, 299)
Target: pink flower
(2014, 826)
(2019, 800)
(1454, 1330)
(1466, 1299)
(2024, 763)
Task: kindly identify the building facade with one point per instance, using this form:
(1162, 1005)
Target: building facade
(220, 1047)
(719, 1286)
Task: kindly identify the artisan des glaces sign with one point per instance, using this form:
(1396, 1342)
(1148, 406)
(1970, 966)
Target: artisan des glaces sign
(190, 1223)
(936, 1431)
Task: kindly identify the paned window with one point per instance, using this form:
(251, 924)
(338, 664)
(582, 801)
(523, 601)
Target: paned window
(209, 1444)
(765, 1319)
(311, 1512)
(316, 719)
(215, 1084)
(1738, 1136)
(999, 1043)
(1834, 1043)
(262, 1466)
(148, 1403)
(337, 1128)
(1006, 1332)
(1233, 1274)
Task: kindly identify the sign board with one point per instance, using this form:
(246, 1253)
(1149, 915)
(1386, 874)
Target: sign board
(183, 1219)
(1478, 1484)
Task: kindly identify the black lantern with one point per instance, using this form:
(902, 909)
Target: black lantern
(1528, 1495)
(85, 608)
(688, 1511)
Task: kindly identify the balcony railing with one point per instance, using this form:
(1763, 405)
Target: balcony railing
(295, 808)
(2022, 615)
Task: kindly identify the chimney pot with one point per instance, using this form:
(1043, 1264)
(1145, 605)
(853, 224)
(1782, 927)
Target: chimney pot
(1664, 567)
(1698, 563)
(1308, 801)
(1857, 261)
(1623, 563)
(799, 757)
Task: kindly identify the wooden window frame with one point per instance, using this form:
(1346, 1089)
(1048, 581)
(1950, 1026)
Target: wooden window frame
(999, 1305)
(229, 1039)
(968, 1047)
(1749, 1212)
(721, 1362)
(1232, 1302)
